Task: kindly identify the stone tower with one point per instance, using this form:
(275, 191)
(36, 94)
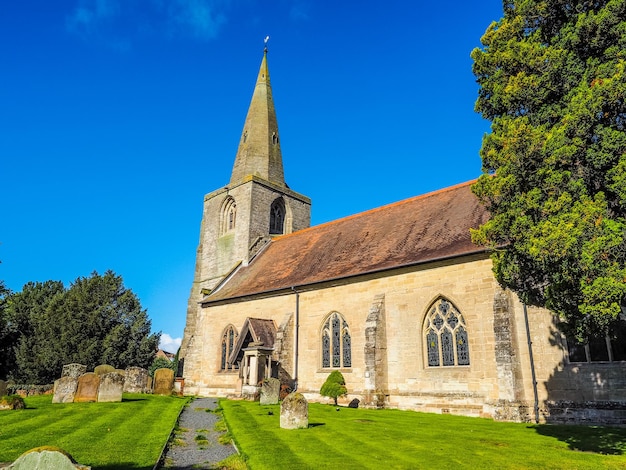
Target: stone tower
(239, 219)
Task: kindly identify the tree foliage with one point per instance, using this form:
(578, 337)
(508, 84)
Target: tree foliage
(552, 82)
(6, 359)
(334, 386)
(95, 321)
(162, 363)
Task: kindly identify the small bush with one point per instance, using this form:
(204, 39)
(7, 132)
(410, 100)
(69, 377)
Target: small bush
(335, 386)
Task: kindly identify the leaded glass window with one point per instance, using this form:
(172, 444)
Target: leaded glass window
(229, 337)
(445, 334)
(336, 342)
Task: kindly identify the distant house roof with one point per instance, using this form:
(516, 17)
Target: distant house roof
(425, 228)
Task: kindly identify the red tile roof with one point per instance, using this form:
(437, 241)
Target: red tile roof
(424, 228)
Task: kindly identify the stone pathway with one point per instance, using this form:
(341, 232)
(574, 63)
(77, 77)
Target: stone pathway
(196, 443)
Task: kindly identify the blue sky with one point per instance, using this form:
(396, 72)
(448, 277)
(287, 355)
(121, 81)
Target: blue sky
(117, 116)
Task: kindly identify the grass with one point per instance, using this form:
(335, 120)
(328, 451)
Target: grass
(124, 435)
(394, 439)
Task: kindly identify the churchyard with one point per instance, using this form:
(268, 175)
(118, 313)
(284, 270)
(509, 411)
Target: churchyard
(132, 433)
(112, 435)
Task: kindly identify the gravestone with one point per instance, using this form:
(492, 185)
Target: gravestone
(46, 458)
(270, 389)
(73, 370)
(136, 380)
(103, 369)
(65, 389)
(111, 387)
(87, 389)
(294, 412)
(163, 381)
(3, 388)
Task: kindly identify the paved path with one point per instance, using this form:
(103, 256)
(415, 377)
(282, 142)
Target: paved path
(186, 452)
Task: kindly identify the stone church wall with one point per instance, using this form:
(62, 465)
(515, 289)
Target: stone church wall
(497, 383)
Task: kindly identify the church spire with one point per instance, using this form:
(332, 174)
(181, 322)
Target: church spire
(259, 148)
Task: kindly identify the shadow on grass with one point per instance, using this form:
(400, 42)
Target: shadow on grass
(133, 399)
(314, 425)
(600, 440)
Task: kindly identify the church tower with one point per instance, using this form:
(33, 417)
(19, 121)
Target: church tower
(240, 219)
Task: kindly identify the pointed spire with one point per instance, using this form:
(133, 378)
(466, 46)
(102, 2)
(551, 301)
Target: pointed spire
(259, 148)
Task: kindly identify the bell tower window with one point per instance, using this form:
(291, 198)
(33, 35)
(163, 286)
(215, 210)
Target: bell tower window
(277, 217)
(228, 216)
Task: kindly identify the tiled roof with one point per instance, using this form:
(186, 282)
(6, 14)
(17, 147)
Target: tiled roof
(424, 228)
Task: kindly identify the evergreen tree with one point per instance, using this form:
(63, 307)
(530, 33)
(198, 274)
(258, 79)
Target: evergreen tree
(334, 386)
(553, 84)
(6, 342)
(95, 321)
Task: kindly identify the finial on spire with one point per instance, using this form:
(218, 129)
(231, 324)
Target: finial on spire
(267, 38)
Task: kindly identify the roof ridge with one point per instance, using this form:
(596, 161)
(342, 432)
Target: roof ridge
(376, 209)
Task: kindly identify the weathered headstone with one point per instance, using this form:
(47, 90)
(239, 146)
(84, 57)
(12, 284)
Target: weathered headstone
(163, 381)
(12, 403)
(354, 403)
(270, 389)
(46, 458)
(73, 370)
(111, 387)
(87, 389)
(294, 412)
(3, 388)
(103, 369)
(136, 380)
(65, 389)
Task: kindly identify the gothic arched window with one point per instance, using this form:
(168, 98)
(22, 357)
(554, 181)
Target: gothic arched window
(445, 335)
(228, 216)
(336, 342)
(229, 338)
(277, 217)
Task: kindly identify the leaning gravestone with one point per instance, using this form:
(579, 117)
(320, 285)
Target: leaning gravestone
(270, 389)
(163, 381)
(3, 388)
(46, 458)
(111, 387)
(73, 370)
(136, 380)
(87, 389)
(294, 412)
(64, 389)
(103, 369)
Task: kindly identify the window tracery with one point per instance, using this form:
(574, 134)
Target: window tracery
(229, 338)
(336, 342)
(446, 336)
(229, 216)
(277, 217)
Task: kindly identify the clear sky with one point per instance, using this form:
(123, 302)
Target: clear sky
(117, 116)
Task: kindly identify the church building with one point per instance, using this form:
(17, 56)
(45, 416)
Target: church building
(397, 298)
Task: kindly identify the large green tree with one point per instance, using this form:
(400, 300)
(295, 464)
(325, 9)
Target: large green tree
(552, 82)
(5, 333)
(95, 321)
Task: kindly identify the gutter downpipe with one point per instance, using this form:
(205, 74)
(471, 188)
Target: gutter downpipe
(532, 363)
(296, 338)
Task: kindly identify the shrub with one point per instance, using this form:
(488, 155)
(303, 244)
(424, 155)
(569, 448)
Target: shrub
(335, 386)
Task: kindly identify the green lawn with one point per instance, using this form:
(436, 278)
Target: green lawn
(394, 439)
(125, 435)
